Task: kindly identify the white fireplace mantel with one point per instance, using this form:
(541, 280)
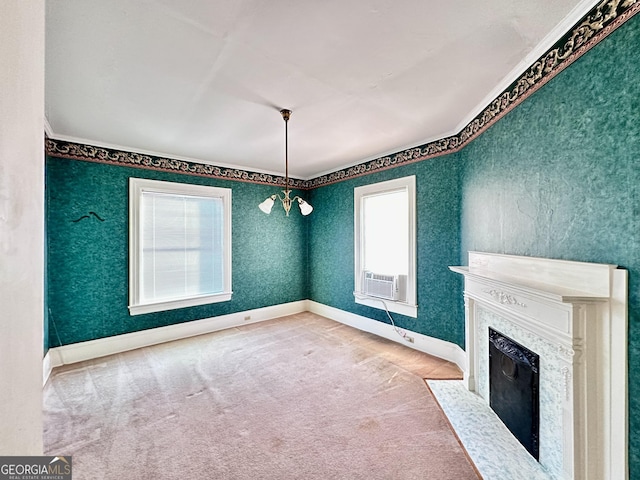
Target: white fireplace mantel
(575, 315)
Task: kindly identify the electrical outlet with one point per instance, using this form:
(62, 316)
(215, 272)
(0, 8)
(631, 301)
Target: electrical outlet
(248, 317)
(409, 339)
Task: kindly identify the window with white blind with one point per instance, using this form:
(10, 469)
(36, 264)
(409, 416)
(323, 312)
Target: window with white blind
(179, 245)
(385, 245)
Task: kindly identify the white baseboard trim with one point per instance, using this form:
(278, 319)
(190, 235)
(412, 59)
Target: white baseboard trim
(46, 368)
(433, 346)
(78, 352)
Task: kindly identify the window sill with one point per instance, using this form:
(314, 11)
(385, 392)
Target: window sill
(181, 303)
(393, 306)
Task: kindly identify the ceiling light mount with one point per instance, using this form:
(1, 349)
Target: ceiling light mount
(267, 205)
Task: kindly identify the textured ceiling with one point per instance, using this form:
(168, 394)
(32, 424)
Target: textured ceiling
(204, 80)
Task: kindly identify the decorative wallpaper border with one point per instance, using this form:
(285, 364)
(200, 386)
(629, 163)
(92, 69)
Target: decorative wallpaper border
(601, 21)
(89, 153)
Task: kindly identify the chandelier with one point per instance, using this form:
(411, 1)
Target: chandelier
(267, 205)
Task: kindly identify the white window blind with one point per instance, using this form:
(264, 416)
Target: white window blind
(180, 248)
(182, 239)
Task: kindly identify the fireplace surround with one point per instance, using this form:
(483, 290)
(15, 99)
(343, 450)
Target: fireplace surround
(574, 316)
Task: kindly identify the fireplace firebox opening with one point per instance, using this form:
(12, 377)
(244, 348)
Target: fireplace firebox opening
(514, 388)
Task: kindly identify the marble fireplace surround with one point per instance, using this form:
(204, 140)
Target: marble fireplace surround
(574, 315)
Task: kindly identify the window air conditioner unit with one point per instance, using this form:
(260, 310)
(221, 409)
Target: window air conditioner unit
(390, 287)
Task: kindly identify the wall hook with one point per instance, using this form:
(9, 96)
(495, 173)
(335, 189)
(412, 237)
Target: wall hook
(87, 216)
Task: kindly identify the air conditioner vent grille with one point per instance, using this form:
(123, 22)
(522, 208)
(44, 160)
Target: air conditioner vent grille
(391, 287)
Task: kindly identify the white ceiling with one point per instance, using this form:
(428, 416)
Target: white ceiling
(204, 80)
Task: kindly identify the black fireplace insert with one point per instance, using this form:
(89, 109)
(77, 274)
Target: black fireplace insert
(514, 388)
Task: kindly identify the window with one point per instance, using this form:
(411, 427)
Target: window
(179, 245)
(385, 245)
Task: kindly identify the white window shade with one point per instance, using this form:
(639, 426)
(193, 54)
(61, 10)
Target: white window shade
(180, 245)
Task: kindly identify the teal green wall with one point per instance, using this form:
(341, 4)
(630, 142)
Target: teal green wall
(87, 261)
(559, 177)
(331, 248)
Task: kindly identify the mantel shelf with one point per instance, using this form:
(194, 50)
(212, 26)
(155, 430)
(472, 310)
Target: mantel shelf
(526, 285)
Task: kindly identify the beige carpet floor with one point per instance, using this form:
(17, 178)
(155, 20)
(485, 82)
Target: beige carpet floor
(300, 397)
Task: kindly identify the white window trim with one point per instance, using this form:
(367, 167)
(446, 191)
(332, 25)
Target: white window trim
(136, 187)
(409, 307)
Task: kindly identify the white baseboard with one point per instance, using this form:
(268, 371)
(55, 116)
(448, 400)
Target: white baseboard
(46, 368)
(433, 346)
(78, 352)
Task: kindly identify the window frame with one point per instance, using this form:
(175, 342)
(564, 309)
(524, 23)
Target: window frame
(408, 307)
(136, 188)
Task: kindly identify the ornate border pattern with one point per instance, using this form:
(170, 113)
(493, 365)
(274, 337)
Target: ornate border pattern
(89, 153)
(602, 20)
